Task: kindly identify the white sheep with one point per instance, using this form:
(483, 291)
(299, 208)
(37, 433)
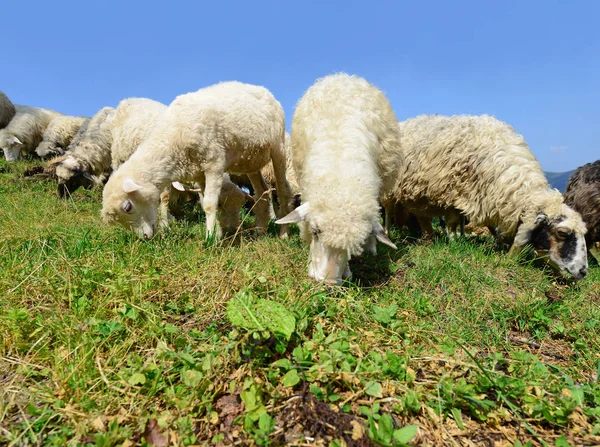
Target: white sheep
(483, 168)
(227, 127)
(87, 159)
(25, 131)
(346, 153)
(59, 134)
(7, 110)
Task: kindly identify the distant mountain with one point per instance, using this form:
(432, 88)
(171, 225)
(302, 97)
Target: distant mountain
(559, 180)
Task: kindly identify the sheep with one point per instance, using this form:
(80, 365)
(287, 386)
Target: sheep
(25, 130)
(87, 159)
(134, 119)
(59, 134)
(483, 168)
(583, 195)
(346, 154)
(7, 110)
(226, 127)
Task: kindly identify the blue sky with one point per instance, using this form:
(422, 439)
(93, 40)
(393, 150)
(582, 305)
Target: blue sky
(534, 64)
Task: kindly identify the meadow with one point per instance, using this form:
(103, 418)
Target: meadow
(107, 340)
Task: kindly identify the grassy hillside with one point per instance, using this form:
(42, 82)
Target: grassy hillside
(559, 180)
(107, 340)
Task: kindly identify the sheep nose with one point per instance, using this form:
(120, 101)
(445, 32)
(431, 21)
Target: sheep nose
(583, 271)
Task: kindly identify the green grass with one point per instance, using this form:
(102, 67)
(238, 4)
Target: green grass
(107, 340)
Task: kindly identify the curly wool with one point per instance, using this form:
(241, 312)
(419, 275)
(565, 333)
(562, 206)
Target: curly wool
(134, 119)
(346, 153)
(583, 195)
(7, 110)
(478, 165)
(59, 134)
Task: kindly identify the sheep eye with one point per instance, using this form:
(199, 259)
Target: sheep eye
(563, 234)
(127, 206)
(315, 231)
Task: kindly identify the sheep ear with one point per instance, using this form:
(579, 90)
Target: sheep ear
(381, 236)
(16, 140)
(295, 216)
(178, 186)
(129, 185)
(86, 175)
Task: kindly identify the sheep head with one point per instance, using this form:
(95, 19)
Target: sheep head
(11, 146)
(71, 175)
(132, 204)
(47, 149)
(559, 240)
(327, 263)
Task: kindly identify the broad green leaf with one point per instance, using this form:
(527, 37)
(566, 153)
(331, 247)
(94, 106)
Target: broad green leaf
(405, 434)
(291, 378)
(137, 379)
(374, 389)
(283, 363)
(386, 429)
(457, 414)
(192, 378)
(259, 314)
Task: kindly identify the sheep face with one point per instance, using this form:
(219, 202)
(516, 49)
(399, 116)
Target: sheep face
(71, 175)
(231, 201)
(11, 146)
(329, 264)
(132, 205)
(560, 241)
(47, 149)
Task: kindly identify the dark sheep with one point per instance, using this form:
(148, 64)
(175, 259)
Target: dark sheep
(583, 195)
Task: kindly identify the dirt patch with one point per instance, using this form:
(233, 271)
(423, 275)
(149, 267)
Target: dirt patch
(306, 418)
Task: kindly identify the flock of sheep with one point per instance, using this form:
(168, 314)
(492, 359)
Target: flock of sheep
(346, 159)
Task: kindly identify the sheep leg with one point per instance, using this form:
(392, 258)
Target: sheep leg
(261, 205)
(210, 203)
(426, 227)
(284, 192)
(164, 214)
(388, 208)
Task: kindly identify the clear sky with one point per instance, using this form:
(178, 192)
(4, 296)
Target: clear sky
(534, 64)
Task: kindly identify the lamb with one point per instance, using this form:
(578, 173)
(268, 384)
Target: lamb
(483, 168)
(7, 110)
(346, 153)
(59, 134)
(583, 195)
(87, 160)
(226, 127)
(25, 131)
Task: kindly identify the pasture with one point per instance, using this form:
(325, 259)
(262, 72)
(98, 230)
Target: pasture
(108, 340)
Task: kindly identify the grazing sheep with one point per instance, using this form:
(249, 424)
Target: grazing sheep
(227, 127)
(7, 110)
(346, 153)
(59, 134)
(482, 167)
(87, 160)
(25, 131)
(583, 195)
(134, 120)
